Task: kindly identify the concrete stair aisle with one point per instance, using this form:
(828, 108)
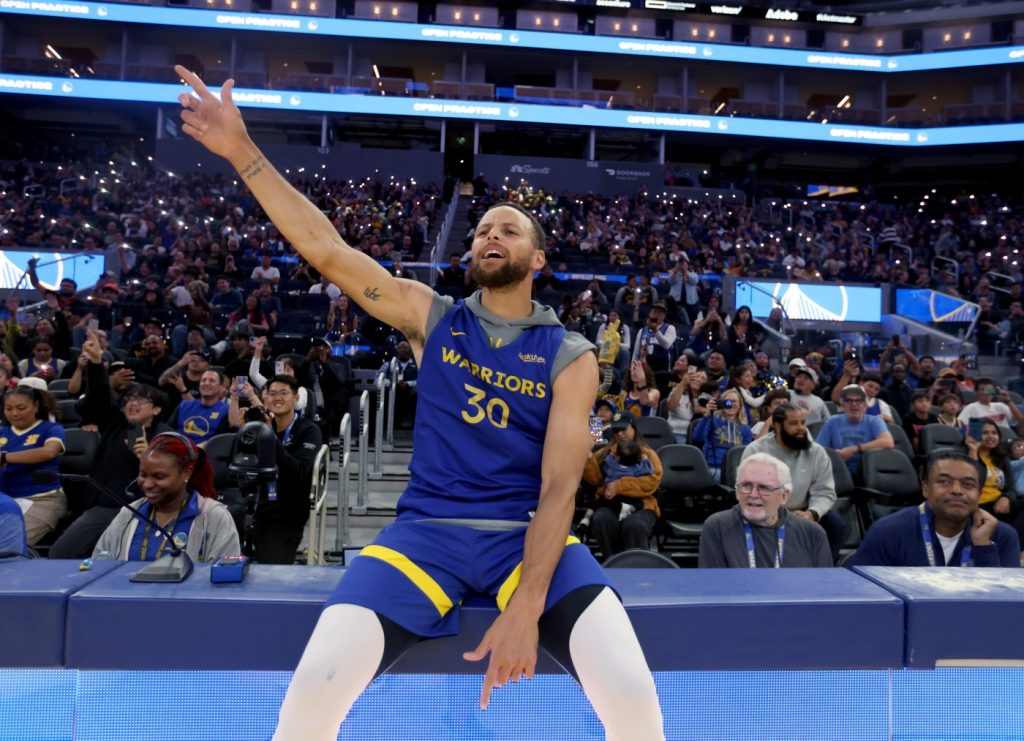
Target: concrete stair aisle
(460, 225)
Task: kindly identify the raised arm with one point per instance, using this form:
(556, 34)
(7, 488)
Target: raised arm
(217, 124)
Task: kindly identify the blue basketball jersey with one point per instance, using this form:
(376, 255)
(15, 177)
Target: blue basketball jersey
(481, 418)
(17, 477)
(199, 423)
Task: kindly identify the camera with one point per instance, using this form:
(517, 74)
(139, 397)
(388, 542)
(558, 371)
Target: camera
(703, 399)
(728, 404)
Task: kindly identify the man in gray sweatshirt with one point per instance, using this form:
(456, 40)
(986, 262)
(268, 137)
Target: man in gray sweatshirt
(814, 491)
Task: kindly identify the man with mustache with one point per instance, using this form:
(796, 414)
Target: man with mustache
(948, 528)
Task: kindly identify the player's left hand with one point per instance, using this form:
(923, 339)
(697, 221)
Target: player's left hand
(512, 643)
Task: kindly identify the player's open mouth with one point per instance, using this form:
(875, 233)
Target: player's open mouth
(492, 254)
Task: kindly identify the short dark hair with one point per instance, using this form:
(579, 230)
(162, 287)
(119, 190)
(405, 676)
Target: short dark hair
(287, 380)
(946, 397)
(779, 415)
(952, 454)
(871, 377)
(539, 237)
(919, 394)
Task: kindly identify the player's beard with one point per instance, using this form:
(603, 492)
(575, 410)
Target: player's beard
(508, 275)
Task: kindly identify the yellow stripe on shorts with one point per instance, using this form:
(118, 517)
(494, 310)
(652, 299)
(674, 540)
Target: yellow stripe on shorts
(508, 587)
(423, 581)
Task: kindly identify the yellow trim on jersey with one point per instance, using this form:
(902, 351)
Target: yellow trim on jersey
(31, 427)
(509, 586)
(423, 581)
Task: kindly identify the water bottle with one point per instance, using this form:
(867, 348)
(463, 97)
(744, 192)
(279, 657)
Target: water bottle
(272, 491)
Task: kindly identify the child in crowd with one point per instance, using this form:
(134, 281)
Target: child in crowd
(949, 412)
(627, 459)
(1017, 465)
(920, 415)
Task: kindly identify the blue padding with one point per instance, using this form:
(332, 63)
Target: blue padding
(957, 614)
(33, 599)
(686, 619)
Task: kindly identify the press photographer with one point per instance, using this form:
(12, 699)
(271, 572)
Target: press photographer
(283, 506)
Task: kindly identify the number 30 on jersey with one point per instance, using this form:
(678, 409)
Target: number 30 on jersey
(494, 409)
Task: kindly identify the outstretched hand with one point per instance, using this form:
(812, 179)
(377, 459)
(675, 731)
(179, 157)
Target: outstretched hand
(512, 643)
(215, 122)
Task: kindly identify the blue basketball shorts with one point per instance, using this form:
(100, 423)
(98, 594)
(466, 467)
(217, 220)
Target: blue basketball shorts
(417, 573)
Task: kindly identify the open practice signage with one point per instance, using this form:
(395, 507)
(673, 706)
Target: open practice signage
(148, 92)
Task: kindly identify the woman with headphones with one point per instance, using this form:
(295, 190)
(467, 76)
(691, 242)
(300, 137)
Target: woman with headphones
(178, 493)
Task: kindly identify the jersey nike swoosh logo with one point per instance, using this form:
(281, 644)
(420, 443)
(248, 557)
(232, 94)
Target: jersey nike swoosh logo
(458, 334)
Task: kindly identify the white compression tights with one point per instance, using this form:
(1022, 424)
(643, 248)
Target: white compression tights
(348, 643)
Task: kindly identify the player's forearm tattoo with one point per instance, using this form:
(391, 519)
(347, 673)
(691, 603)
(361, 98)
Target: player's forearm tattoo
(254, 168)
(372, 293)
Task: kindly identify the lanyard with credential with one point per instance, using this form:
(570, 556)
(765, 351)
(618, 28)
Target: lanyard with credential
(929, 548)
(748, 533)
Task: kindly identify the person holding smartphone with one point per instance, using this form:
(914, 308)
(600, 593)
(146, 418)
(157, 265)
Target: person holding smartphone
(994, 404)
(998, 494)
(126, 423)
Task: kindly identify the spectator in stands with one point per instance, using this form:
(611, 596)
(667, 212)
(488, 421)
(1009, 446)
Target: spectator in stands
(325, 287)
(655, 340)
(947, 529)
(266, 271)
(994, 404)
(622, 356)
(998, 492)
(454, 276)
(683, 286)
(342, 321)
(744, 335)
(813, 492)
(154, 361)
(202, 418)
(237, 358)
(896, 353)
(709, 329)
(116, 464)
(772, 401)
(720, 429)
(760, 532)
(331, 385)
(949, 412)
(226, 296)
(270, 304)
(684, 401)
(250, 315)
(279, 525)
(176, 481)
(181, 381)
(897, 392)
(284, 366)
(743, 379)
(805, 381)
(640, 396)
(854, 432)
(876, 407)
(405, 390)
(42, 363)
(634, 531)
(31, 443)
(715, 366)
(920, 415)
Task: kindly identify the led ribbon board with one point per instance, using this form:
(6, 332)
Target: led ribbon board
(83, 268)
(931, 307)
(505, 39)
(150, 92)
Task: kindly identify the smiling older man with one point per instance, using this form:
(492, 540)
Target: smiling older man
(759, 532)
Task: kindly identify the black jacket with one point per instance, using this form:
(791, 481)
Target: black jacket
(294, 476)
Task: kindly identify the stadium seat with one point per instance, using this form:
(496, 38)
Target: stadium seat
(219, 449)
(732, 464)
(846, 500)
(638, 558)
(69, 416)
(902, 442)
(890, 482)
(688, 494)
(656, 431)
(936, 436)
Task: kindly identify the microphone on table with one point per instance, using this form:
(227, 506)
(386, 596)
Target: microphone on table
(172, 567)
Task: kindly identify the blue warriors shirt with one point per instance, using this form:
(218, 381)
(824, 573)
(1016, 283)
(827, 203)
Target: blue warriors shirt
(481, 418)
(200, 423)
(17, 477)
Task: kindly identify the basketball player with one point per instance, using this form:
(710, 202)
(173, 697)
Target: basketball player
(500, 443)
